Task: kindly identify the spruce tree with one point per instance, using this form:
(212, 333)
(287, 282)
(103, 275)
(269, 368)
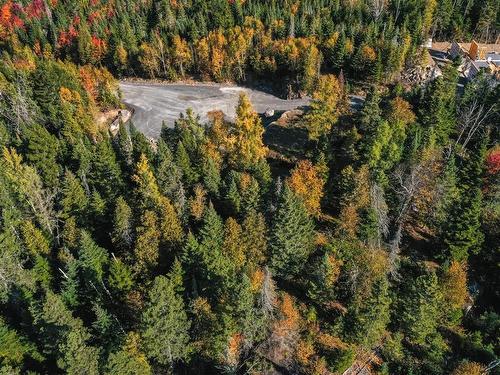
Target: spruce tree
(291, 235)
(419, 312)
(165, 322)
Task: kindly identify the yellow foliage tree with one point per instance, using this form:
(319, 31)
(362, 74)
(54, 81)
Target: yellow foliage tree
(455, 285)
(247, 130)
(306, 182)
(181, 53)
(469, 368)
(328, 103)
(233, 246)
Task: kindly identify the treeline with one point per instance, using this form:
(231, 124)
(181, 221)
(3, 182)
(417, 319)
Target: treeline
(191, 255)
(228, 40)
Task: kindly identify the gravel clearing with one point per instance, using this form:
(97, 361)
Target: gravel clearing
(155, 103)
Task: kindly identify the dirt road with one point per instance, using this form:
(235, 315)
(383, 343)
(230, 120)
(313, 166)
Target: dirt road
(154, 103)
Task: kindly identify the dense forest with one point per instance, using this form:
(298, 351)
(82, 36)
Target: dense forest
(375, 250)
(245, 40)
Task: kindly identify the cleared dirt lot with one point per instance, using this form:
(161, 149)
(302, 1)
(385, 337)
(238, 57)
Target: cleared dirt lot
(155, 103)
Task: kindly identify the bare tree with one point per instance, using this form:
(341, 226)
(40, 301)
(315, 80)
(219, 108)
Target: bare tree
(268, 294)
(16, 107)
(379, 205)
(409, 181)
(377, 8)
(472, 117)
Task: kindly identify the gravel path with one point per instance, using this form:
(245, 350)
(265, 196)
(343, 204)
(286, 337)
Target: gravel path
(155, 103)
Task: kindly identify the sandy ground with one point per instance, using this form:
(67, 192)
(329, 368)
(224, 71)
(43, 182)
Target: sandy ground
(155, 103)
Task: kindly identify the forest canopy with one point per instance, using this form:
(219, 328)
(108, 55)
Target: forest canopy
(208, 251)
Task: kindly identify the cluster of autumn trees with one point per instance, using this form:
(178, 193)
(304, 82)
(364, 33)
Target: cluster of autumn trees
(231, 40)
(193, 255)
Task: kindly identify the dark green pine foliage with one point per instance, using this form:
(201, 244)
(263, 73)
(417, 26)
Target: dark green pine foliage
(461, 231)
(215, 268)
(71, 285)
(105, 172)
(42, 151)
(122, 235)
(168, 174)
(182, 159)
(120, 277)
(233, 196)
(124, 146)
(367, 323)
(339, 52)
(74, 200)
(93, 259)
(437, 111)
(211, 177)
(166, 324)
(141, 145)
(419, 310)
(291, 235)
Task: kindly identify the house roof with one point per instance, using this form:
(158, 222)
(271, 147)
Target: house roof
(481, 64)
(441, 46)
(495, 56)
(487, 47)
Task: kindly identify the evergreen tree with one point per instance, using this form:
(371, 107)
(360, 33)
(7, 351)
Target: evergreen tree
(74, 200)
(420, 313)
(291, 235)
(211, 177)
(165, 322)
(42, 151)
(120, 276)
(168, 173)
(122, 235)
(438, 107)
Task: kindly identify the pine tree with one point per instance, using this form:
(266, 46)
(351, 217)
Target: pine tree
(438, 107)
(216, 265)
(165, 322)
(168, 173)
(339, 52)
(211, 177)
(93, 258)
(120, 276)
(122, 235)
(74, 355)
(367, 323)
(74, 200)
(105, 172)
(42, 151)
(462, 233)
(189, 173)
(291, 235)
(420, 313)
